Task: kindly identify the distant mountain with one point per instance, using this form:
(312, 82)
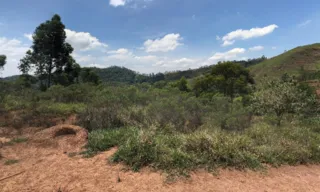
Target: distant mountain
(258, 67)
(306, 58)
(10, 78)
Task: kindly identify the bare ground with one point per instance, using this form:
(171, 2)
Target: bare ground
(46, 166)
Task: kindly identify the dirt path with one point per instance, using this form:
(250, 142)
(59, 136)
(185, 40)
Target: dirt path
(49, 168)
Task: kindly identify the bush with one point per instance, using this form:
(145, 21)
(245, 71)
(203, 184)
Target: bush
(222, 149)
(100, 118)
(104, 139)
(71, 94)
(138, 151)
(179, 114)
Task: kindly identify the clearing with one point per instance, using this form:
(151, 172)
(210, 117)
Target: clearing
(53, 165)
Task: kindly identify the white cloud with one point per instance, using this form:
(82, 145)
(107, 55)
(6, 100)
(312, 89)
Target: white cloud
(168, 43)
(117, 3)
(227, 43)
(247, 34)
(80, 41)
(225, 56)
(141, 63)
(96, 65)
(14, 50)
(83, 41)
(304, 23)
(256, 48)
(274, 48)
(28, 36)
(119, 51)
(183, 63)
(133, 4)
(218, 38)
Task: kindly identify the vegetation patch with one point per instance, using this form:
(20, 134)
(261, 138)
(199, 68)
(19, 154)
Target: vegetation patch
(215, 116)
(16, 140)
(11, 162)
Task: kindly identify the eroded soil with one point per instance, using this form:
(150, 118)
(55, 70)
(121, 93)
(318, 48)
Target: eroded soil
(52, 166)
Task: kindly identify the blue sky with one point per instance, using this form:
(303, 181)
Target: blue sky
(162, 35)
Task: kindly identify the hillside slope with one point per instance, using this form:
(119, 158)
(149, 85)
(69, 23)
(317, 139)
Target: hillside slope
(291, 62)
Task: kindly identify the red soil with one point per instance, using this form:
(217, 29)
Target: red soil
(47, 167)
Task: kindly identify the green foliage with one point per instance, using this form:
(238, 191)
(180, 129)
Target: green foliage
(26, 80)
(227, 78)
(175, 114)
(3, 61)
(177, 153)
(139, 150)
(291, 62)
(182, 84)
(280, 98)
(116, 74)
(61, 108)
(104, 139)
(158, 125)
(87, 75)
(71, 94)
(50, 55)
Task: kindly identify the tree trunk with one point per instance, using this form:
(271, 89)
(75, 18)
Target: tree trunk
(49, 74)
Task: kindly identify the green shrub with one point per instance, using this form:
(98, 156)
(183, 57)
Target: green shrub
(222, 149)
(104, 139)
(61, 108)
(139, 150)
(100, 118)
(181, 114)
(71, 94)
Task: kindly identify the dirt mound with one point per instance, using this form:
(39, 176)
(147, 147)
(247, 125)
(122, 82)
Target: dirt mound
(4, 140)
(61, 136)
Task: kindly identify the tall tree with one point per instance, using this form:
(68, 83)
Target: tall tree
(87, 75)
(282, 97)
(228, 78)
(3, 61)
(50, 55)
(182, 84)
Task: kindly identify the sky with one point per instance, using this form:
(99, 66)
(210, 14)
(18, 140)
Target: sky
(162, 35)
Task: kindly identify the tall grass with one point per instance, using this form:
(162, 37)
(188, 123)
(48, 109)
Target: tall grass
(179, 152)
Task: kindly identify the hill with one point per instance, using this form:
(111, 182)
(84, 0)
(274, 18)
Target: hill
(116, 74)
(11, 78)
(291, 62)
(192, 73)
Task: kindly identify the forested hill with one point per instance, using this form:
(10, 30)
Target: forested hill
(125, 75)
(192, 73)
(116, 74)
(11, 78)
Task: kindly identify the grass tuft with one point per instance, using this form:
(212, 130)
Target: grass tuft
(11, 161)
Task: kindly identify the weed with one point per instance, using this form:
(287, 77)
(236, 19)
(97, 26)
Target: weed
(11, 161)
(16, 140)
